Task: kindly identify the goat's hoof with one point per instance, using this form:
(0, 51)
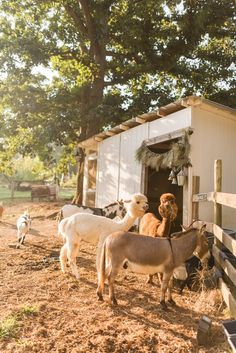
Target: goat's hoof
(163, 305)
(171, 302)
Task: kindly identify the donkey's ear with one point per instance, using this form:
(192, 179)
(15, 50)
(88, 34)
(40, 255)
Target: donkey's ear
(184, 227)
(203, 228)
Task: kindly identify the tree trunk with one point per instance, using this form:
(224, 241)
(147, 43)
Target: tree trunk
(78, 198)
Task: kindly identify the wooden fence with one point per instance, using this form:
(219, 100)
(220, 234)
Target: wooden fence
(223, 240)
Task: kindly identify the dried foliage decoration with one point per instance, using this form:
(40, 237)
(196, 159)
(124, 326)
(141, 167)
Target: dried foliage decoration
(176, 158)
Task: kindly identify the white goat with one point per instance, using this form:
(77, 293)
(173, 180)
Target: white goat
(23, 226)
(94, 229)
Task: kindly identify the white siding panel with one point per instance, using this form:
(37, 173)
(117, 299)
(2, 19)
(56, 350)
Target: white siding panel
(214, 138)
(130, 169)
(170, 123)
(108, 171)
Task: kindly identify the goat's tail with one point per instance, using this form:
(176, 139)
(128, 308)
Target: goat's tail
(61, 229)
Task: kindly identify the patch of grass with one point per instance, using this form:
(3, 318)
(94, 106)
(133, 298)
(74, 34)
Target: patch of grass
(9, 327)
(29, 309)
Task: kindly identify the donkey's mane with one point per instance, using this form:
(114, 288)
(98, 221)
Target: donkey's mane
(180, 234)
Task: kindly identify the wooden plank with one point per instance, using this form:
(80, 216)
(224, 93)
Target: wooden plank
(226, 199)
(190, 194)
(228, 268)
(228, 297)
(124, 127)
(140, 120)
(195, 205)
(217, 188)
(222, 198)
(165, 137)
(225, 238)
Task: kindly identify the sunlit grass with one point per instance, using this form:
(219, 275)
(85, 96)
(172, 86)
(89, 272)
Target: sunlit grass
(29, 309)
(10, 326)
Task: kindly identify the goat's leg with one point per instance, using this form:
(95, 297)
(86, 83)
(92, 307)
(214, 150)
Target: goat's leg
(164, 286)
(63, 257)
(22, 239)
(72, 252)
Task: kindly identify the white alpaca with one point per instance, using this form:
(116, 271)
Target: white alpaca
(94, 229)
(23, 227)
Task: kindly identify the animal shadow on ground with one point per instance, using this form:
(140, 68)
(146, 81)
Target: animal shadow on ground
(140, 299)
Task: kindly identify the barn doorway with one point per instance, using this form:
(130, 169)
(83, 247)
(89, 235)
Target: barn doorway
(157, 183)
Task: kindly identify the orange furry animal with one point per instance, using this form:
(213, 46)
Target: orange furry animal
(168, 210)
(152, 226)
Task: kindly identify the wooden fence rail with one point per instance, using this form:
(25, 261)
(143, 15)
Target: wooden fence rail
(222, 238)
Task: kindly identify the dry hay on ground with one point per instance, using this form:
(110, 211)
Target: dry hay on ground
(56, 313)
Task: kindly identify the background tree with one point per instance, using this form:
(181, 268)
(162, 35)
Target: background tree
(110, 60)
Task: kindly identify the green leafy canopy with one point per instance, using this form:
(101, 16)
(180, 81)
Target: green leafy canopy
(105, 61)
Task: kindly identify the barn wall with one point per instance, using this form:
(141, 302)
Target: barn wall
(130, 169)
(108, 171)
(119, 175)
(214, 138)
(175, 121)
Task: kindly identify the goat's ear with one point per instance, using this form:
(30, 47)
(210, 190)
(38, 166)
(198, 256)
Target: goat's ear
(127, 201)
(120, 202)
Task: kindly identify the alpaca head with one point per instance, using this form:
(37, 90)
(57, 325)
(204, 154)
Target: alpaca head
(168, 207)
(137, 205)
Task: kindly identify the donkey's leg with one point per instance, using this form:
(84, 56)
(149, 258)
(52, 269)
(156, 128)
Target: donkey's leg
(150, 279)
(169, 292)
(164, 286)
(111, 279)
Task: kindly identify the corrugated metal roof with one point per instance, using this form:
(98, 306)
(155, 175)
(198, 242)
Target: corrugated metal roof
(92, 142)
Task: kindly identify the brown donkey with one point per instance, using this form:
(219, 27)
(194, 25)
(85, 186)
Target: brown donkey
(147, 255)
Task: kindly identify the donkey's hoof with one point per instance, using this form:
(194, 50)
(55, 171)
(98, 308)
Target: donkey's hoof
(163, 305)
(171, 302)
(100, 297)
(113, 301)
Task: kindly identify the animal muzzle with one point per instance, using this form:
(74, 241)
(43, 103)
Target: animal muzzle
(146, 207)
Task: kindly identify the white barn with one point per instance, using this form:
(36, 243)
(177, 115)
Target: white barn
(112, 172)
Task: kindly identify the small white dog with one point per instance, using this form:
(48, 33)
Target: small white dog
(23, 227)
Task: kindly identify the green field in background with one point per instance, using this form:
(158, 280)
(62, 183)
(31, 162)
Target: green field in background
(5, 194)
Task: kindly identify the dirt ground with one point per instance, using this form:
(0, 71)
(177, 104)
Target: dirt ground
(57, 313)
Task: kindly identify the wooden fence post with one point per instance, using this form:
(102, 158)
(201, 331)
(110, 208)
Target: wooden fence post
(217, 188)
(196, 188)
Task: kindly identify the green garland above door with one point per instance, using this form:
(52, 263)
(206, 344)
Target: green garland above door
(176, 158)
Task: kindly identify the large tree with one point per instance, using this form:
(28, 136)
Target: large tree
(110, 60)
